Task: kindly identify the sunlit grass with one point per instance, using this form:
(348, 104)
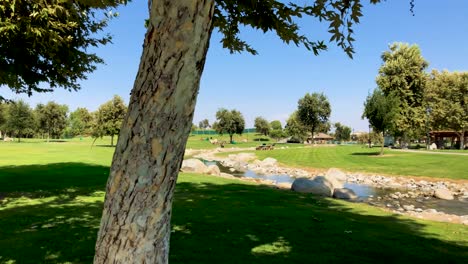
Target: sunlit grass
(362, 159)
(51, 198)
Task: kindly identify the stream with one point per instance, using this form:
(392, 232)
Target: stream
(366, 193)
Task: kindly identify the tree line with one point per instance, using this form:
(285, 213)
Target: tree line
(54, 121)
(312, 116)
(409, 102)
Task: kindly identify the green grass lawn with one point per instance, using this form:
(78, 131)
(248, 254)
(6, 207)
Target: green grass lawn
(362, 159)
(51, 197)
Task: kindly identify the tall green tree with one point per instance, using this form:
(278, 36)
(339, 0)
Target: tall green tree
(295, 129)
(20, 119)
(403, 74)
(381, 110)
(52, 119)
(229, 122)
(262, 126)
(276, 125)
(342, 132)
(80, 121)
(447, 97)
(109, 118)
(313, 111)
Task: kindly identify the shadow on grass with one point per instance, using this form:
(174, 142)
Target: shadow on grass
(215, 221)
(104, 146)
(238, 223)
(366, 153)
(52, 179)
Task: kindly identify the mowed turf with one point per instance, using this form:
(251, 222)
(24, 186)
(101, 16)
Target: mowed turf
(50, 210)
(362, 159)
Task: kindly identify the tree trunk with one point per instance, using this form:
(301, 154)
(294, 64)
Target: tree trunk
(112, 140)
(48, 136)
(462, 139)
(382, 145)
(135, 226)
(230, 136)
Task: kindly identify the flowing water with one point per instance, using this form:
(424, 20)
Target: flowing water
(366, 193)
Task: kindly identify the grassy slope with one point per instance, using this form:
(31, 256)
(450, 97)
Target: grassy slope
(358, 158)
(52, 204)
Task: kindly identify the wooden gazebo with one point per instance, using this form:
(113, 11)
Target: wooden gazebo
(441, 137)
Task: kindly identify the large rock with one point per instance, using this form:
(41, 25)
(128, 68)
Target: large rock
(337, 174)
(213, 170)
(443, 193)
(240, 165)
(269, 162)
(344, 193)
(193, 165)
(433, 146)
(319, 186)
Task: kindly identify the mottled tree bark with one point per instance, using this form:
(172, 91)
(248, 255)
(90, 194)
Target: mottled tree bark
(135, 225)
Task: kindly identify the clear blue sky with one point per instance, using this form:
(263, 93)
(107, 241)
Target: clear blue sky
(271, 83)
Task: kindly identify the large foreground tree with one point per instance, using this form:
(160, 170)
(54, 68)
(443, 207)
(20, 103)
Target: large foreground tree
(135, 225)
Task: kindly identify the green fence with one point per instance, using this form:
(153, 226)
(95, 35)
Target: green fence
(212, 132)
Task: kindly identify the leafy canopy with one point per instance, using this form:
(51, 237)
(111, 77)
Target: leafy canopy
(313, 111)
(447, 96)
(229, 122)
(403, 74)
(342, 132)
(262, 126)
(52, 118)
(109, 117)
(49, 41)
(45, 44)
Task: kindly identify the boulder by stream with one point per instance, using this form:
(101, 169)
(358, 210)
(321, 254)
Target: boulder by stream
(319, 186)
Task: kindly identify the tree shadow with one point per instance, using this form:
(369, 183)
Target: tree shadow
(214, 221)
(52, 179)
(238, 223)
(366, 153)
(104, 146)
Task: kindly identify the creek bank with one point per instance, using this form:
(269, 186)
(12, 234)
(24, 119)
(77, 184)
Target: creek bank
(435, 200)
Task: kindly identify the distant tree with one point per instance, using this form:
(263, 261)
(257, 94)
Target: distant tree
(20, 119)
(229, 122)
(276, 125)
(52, 119)
(342, 132)
(262, 126)
(295, 129)
(402, 74)
(381, 111)
(109, 117)
(313, 112)
(80, 122)
(447, 97)
(324, 128)
(204, 124)
(278, 134)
